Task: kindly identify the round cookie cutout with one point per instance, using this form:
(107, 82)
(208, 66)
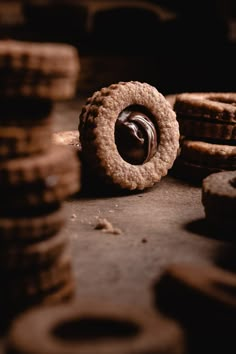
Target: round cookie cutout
(129, 135)
(88, 326)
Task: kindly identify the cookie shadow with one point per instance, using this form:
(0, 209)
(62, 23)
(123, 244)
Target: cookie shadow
(203, 228)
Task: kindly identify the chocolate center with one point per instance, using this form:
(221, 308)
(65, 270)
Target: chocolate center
(135, 135)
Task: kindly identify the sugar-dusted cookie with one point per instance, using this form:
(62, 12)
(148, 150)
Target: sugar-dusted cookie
(129, 135)
(91, 326)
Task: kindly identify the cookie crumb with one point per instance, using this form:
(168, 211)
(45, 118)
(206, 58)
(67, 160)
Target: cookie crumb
(73, 217)
(106, 226)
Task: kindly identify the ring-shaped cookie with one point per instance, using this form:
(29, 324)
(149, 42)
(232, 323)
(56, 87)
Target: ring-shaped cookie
(219, 194)
(97, 129)
(210, 105)
(93, 327)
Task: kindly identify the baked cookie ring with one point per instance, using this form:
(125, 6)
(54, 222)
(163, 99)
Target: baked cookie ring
(206, 129)
(18, 285)
(202, 298)
(207, 154)
(210, 105)
(32, 227)
(23, 141)
(219, 200)
(192, 172)
(92, 327)
(129, 135)
(31, 255)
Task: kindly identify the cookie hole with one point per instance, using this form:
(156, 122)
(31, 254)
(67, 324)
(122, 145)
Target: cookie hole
(233, 182)
(94, 328)
(136, 135)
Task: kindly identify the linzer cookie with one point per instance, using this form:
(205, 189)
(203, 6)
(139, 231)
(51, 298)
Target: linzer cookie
(22, 255)
(34, 282)
(207, 123)
(32, 224)
(219, 201)
(129, 135)
(198, 159)
(33, 69)
(25, 126)
(220, 106)
(84, 326)
(202, 299)
(207, 115)
(41, 179)
(19, 141)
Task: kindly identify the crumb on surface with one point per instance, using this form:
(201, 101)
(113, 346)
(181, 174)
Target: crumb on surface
(105, 226)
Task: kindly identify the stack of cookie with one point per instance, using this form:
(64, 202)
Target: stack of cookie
(207, 123)
(36, 176)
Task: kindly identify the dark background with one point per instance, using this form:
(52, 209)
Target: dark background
(174, 45)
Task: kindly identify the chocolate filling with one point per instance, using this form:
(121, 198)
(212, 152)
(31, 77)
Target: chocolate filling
(136, 135)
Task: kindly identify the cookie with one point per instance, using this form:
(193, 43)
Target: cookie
(11, 308)
(220, 106)
(209, 115)
(207, 154)
(67, 137)
(23, 255)
(197, 159)
(129, 135)
(93, 327)
(19, 285)
(192, 172)
(16, 141)
(44, 178)
(32, 226)
(202, 298)
(59, 59)
(203, 129)
(219, 200)
(36, 69)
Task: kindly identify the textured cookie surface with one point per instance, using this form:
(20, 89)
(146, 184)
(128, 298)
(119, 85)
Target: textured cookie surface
(33, 69)
(46, 58)
(208, 154)
(32, 227)
(121, 117)
(219, 193)
(210, 105)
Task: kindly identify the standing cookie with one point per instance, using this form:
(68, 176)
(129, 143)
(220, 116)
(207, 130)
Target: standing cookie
(219, 201)
(129, 135)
